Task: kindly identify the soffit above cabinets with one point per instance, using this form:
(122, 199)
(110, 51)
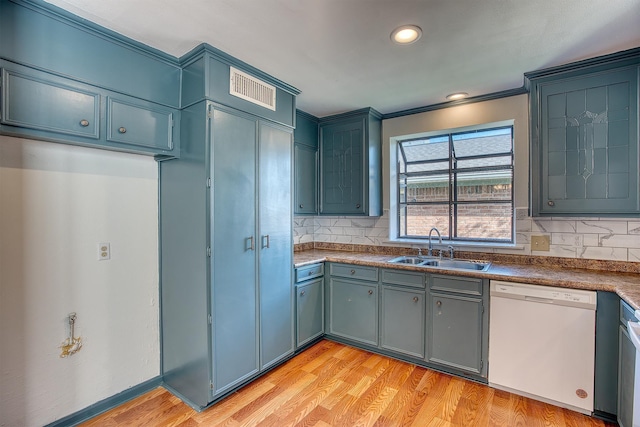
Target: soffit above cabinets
(340, 55)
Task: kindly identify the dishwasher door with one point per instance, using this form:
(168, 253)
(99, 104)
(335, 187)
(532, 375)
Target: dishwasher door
(542, 343)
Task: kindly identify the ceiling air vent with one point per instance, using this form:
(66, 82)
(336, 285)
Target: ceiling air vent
(251, 89)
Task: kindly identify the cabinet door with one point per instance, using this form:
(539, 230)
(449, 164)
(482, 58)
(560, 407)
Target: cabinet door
(140, 123)
(305, 161)
(41, 102)
(455, 337)
(588, 159)
(342, 168)
(403, 321)
(353, 310)
(275, 243)
(626, 376)
(233, 265)
(310, 311)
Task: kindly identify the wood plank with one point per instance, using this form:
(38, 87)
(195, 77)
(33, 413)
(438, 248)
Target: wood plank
(333, 385)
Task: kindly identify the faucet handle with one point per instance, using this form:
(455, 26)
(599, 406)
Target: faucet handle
(419, 251)
(450, 251)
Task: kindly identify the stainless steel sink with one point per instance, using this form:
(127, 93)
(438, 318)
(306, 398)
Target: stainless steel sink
(413, 260)
(447, 264)
(458, 264)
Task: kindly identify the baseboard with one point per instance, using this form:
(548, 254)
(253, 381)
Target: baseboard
(107, 404)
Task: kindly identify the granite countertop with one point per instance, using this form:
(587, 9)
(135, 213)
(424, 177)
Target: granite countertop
(626, 285)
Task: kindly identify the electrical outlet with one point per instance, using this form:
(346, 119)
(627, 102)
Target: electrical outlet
(104, 251)
(540, 243)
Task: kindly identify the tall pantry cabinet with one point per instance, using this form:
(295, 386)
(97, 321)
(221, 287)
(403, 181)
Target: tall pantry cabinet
(226, 236)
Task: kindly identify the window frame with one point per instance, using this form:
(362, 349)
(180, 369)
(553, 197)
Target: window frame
(452, 172)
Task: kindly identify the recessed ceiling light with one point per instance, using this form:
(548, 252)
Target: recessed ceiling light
(457, 95)
(406, 34)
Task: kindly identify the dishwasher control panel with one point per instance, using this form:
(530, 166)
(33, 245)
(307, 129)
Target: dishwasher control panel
(544, 294)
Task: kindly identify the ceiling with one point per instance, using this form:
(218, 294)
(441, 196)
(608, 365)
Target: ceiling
(338, 53)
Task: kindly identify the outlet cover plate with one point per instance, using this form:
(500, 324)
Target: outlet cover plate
(540, 243)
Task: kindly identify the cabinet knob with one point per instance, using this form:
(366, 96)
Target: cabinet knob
(353, 272)
(302, 293)
(551, 203)
(370, 292)
(301, 206)
(122, 130)
(415, 299)
(438, 303)
(310, 273)
(84, 123)
(357, 205)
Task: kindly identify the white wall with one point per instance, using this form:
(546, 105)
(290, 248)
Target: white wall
(56, 203)
(591, 238)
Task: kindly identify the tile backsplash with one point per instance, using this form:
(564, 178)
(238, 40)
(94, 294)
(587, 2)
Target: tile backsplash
(587, 238)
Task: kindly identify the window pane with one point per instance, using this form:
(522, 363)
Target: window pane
(487, 185)
(484, 162)
(482, 142)
(402, 226)
(420, 219)
(429, 167)
(485, 221)
(433, 148)
(428, 189)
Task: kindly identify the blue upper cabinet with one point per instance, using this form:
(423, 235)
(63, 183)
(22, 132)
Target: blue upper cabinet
(584, 138)
(305, 164)
(350, 166)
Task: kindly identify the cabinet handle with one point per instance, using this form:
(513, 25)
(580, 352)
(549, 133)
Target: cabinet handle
(353, 272)
(438, 303)
(122, 130)
(370, 292)
(266, 237)
(310, 273)
(251, 244)
(302, 293)
(84, 123)
(551, 203)
(415, 299)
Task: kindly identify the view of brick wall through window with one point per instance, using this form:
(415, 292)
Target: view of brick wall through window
(492, 220)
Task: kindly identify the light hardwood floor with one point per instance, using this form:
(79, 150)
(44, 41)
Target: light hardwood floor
(331, 384)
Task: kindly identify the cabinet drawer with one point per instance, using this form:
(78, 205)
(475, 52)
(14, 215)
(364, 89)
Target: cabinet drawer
(354, 272)
(626, 313)
(404, 278)
(309, 272)
(461, 285)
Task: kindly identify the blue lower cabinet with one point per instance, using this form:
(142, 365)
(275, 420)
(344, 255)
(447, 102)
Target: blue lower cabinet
(353, 310)
(309, 311)
(403, 321)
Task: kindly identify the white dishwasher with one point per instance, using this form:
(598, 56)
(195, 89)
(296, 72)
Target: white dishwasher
(542, 343)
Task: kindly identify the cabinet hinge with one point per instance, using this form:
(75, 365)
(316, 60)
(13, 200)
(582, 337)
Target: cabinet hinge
(209, 251)
(208, 182)
(211, 385)
(481, 364)
(210, 320)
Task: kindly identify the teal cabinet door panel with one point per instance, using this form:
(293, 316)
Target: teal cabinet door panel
(306, 161)
(585, 140)
(306, 131)
(42, 102)
(353, 310)
(140, 123)
(275, 246)
(626, 375)
(403, 321)
(342, 168)
(233, 265)
(309, 311)
(350, 164)
(456, 332)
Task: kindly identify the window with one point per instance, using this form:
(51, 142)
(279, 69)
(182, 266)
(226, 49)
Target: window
(460, 182)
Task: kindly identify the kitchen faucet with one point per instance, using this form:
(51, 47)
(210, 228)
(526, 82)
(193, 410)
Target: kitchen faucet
(430, 251)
